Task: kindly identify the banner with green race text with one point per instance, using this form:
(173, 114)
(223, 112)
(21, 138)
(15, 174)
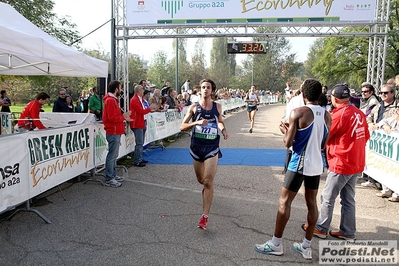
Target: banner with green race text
(57, 155)
(382, 158)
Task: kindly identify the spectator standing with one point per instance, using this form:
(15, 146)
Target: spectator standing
(388, 125)
(146, 98)
(114, 126)
(186, 99)
(156, 98)
(206, 117)
(69, 103)
(186, 86)
(306, 133)
(252, 100)
(288, 92)
(95, 104)
(170, 99)
(32, 114)
(78, 107)
(163, 107)
(346, 160)
(60, 105)
(84, 99)
(194, 96)
(137, 123)
(385, 108)
(165, 88)
(5, 107)
(369, 100)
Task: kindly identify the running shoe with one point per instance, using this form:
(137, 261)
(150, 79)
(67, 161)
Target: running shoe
(367, 184)
(306, 252)
(112, 183)
(203, 222)
(319, 234)
(269, 249)
(338, 234)
(250, 130)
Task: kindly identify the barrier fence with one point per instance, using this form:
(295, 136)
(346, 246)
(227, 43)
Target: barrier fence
(73, 144)
(38, 160)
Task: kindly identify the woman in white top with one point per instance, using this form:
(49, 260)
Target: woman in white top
(252, 100)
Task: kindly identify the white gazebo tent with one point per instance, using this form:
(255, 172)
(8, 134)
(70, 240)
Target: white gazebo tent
(27, 50)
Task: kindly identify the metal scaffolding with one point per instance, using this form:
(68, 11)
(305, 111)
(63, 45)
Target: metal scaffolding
(377, 31)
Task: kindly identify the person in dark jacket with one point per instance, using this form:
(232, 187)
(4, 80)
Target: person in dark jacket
(60, 105)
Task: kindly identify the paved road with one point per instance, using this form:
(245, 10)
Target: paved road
(151, 219)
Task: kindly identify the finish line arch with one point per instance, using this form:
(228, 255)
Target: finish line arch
(156, 19)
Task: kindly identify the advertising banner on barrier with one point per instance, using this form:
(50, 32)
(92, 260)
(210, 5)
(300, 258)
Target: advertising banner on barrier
(153, 12)
(382, 157)
(57, 155)
(14, 182)
(5, 123)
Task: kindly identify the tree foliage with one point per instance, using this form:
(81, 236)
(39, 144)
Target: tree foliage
(198, 69)
(159, 69)
(223, 65)
(344, 59)
(183, 64)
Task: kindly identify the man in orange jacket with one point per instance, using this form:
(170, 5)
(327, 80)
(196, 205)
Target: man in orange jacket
(137, 124)
(113, 121)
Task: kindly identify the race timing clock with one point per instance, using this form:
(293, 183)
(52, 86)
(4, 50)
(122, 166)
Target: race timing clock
(246, 48)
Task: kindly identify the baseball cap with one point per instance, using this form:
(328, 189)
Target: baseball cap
(328, 93)
(146, 91)
(340, 91)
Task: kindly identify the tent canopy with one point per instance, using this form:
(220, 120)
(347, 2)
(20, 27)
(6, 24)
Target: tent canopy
(27, 50)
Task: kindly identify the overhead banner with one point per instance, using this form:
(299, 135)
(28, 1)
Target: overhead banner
(155, 12)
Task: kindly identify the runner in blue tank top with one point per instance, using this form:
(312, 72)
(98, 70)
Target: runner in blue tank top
(205, 120)
(307, 133)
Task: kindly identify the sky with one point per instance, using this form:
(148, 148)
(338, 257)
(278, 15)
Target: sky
(91, 14)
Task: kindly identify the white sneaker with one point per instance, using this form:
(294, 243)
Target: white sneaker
(306, 252)
(119, 178)
(367, 184)
(112, 183)
(269, 248)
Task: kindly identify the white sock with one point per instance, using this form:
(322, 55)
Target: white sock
(205, 216)
(276, 241)
(306, 243)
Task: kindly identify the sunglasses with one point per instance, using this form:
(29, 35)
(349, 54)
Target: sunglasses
(365, 91)
(385, 92)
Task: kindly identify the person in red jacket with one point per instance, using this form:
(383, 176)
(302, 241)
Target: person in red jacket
(346, 161)
(114, 126)
(31, 112)
(137, 124)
